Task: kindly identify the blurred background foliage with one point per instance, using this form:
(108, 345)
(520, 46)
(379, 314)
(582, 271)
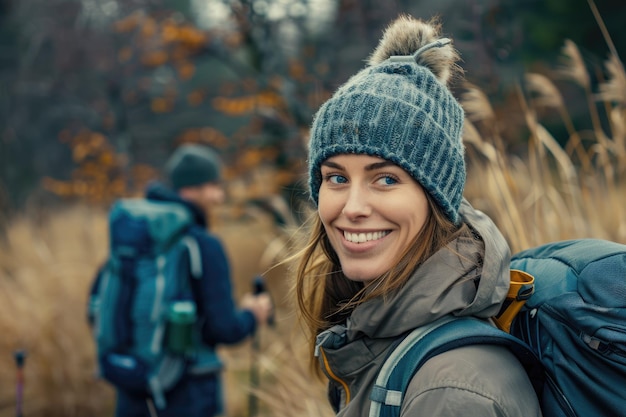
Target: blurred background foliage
(94, 94)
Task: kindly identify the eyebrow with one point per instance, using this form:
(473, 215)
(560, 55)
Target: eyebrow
(370, 167)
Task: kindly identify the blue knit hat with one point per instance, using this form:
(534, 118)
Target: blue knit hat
(399, 109)
(192, 165)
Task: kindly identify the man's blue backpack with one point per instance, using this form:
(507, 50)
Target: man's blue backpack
(570, 334)
(143, 307)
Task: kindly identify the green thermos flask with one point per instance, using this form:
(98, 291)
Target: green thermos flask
(181, 319)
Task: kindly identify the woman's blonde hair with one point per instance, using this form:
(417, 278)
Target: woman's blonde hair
(325, 296)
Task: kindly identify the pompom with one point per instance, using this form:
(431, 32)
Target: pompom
(406, 35)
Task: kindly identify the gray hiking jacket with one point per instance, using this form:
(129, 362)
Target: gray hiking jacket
(470, 280)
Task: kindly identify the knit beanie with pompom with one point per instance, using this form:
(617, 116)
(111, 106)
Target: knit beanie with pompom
(399, 108)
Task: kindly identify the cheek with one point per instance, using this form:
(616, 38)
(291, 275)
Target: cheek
(328, 208)
(419, 217)
(410, 212)
(213, 195)
(417, 227)
(216, 196)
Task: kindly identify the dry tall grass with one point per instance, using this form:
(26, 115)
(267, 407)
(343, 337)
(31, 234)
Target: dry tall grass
(45, 276)
(550, 193)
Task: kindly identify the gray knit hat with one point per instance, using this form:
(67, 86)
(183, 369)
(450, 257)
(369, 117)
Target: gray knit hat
(192, 165)
(399, 109)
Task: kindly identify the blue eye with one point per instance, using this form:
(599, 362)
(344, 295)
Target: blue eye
(336, 179)
(388, 180)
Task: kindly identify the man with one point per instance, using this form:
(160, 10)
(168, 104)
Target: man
(194, 172)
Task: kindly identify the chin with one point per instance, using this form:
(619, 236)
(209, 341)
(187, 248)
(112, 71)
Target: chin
(359, 275)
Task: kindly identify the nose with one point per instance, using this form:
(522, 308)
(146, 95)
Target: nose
(357, 204)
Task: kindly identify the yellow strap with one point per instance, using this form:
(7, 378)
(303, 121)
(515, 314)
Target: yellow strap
(522, 287)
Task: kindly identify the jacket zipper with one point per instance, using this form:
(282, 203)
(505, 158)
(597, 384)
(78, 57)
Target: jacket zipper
(334, 377)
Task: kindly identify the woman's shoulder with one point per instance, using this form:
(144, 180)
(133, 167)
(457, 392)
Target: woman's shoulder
(485, 380)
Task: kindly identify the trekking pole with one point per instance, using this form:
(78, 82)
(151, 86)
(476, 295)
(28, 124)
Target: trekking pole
(151, 408)
(20, 358)
(258, 288)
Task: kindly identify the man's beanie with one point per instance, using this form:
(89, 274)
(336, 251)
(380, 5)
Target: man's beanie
(192, 165)
(399, 109)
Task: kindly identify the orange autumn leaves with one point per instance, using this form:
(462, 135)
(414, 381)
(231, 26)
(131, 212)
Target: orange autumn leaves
(101, 174)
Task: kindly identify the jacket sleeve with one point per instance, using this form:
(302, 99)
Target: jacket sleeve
(473, 381)
(222, 321)
(452, 402)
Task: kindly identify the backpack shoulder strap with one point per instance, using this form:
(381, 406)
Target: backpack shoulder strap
(195, 258)
(426, 342)
(172, 367)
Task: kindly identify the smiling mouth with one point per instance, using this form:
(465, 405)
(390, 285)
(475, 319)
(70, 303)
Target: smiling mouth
(364, 237)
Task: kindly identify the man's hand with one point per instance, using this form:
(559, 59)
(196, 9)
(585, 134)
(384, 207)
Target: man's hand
(260, 305)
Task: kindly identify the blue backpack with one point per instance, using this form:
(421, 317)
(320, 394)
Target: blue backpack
(145, 327)
(570, 333)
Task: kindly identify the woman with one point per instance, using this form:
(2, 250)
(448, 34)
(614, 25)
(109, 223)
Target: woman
(394, 244)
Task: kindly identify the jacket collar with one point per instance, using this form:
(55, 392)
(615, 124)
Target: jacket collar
(156, 191)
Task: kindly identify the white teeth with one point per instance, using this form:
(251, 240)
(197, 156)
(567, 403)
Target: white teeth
(364, 237)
